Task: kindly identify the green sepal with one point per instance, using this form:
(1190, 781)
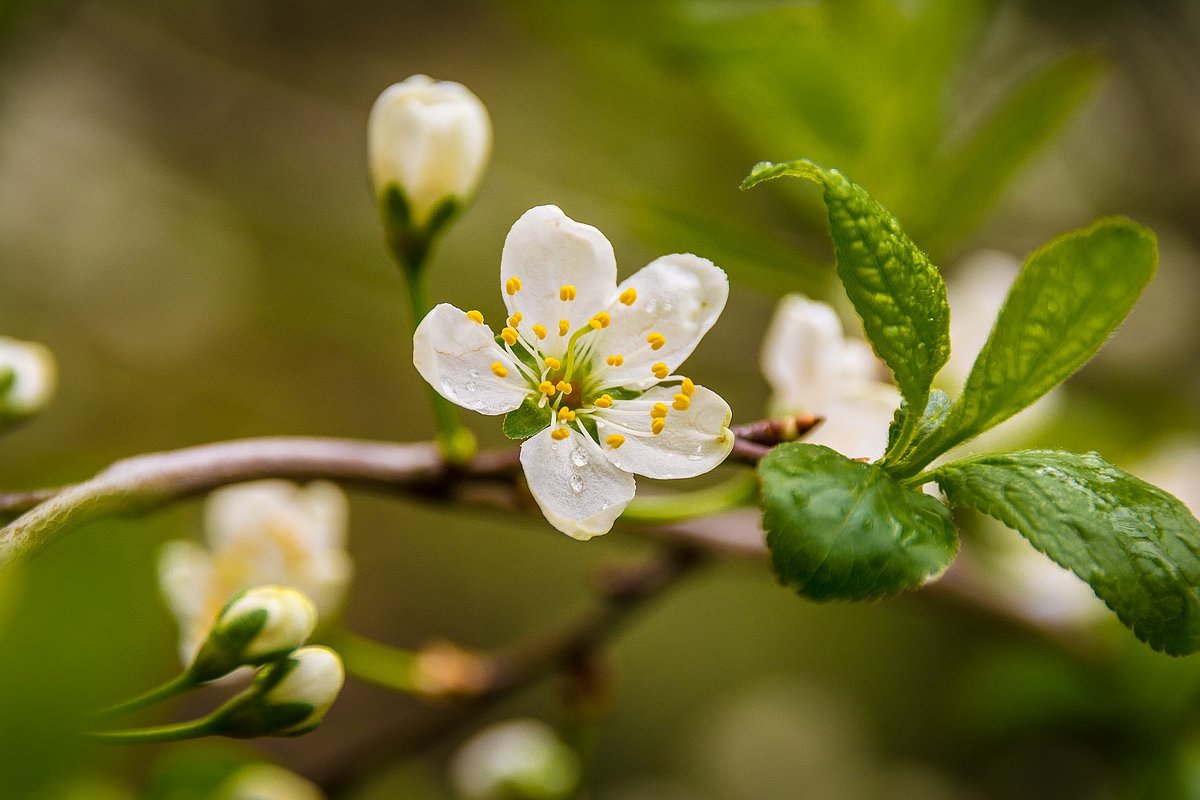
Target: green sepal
(1137, 546)
(225, 648)
(526, 420)
(840, 529)
(408, 241)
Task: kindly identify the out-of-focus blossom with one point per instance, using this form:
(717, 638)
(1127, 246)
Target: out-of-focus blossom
(593, 364)
(267, 782)
(1175, 466)
(255, 627)
(522, 759)
(265, 532)
(431, 140)
(28, 377)
(814, 368)
(289, 697)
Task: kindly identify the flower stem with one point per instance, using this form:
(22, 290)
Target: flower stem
(177, 685)
(456, 440)
(176, 732)
(733, 493)
(375, 662)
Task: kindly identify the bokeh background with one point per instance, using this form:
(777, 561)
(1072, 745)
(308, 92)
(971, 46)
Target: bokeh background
(185, 220)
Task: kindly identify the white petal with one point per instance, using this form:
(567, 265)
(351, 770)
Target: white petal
(857, 425)
(976, 294)
(678, 296)
(455, 355)
(185, 576)
(692, 442)
(579, 491)
(546, 250)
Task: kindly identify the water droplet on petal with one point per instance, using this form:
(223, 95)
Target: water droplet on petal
(470, 386)
(577, 483)
(448, 390)
(697, 454)
(579, 457)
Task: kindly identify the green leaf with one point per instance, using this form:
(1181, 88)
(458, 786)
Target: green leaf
(892, 284)
(526, 420)
(1071, 295)
(1136, 545)
(840, 529)
(935, 414)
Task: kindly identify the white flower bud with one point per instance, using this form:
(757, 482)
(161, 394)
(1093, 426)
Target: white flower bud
(288, 697)
(256, 626)
(431, 140)
(522, 758)
(28, 377)
(267, 782)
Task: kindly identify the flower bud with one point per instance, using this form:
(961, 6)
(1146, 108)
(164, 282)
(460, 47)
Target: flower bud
(428, 143)
(256, 626)
(288, 697)
(522, 759)
(28, 377)
(267, 782)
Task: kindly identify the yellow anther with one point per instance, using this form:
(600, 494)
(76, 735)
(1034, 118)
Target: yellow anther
(509, 335)
(546, 388)
(688, 387)
(499, 369)
(564, 387)
(515, 319)
(475, 316)
(615, 360)
(539, 331)
(603, 401)
(682, 401)
(512, 285)
(614, 440)
(657, 425)
(659, 411)
(563, 327)
(559, 434)
(566, 292)
(601, 320)
(565, 414)
(656, 341)
(552, 362)
(628, 296)
(660, 370)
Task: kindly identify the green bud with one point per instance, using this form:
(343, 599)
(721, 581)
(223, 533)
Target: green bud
(255, 627)
(288, 697)
(522, 759)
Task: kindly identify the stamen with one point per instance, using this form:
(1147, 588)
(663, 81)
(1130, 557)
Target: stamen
(628, 296)
(566, 292)
(552, 362)
(682, 402)
(688, 387)
(656, 340)
(546, 388)
(565, 414)
(499, 369)
(512, 285)
(657, 425)
(659, 411)
(563, 327)
(509, 335)
(603, 401)
(564, 387)
(601, 320)
(475, 316)
(539, 331)
(614, 440)
(515, 319)
(558, 434)
(615, 360)
(660, 370)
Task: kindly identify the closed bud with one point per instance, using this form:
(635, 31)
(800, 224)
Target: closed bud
(518, 760)
(428, 143)
(255, 627)
(288, 697)
(28, 377)
(267, 782)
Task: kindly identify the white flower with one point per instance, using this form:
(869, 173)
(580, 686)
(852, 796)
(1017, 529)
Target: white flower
(431, 139)
(519, 758)
(598, 360)
(265, 532)
(255, 626)
(288, 697)
(28, 377)
(813, 368)
(267, 782)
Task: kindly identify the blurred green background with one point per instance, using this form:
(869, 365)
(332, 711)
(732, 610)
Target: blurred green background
(185, 220)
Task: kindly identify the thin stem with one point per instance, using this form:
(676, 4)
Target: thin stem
(176, 732)
(734, 493)
(177, 685)
(375, 662)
